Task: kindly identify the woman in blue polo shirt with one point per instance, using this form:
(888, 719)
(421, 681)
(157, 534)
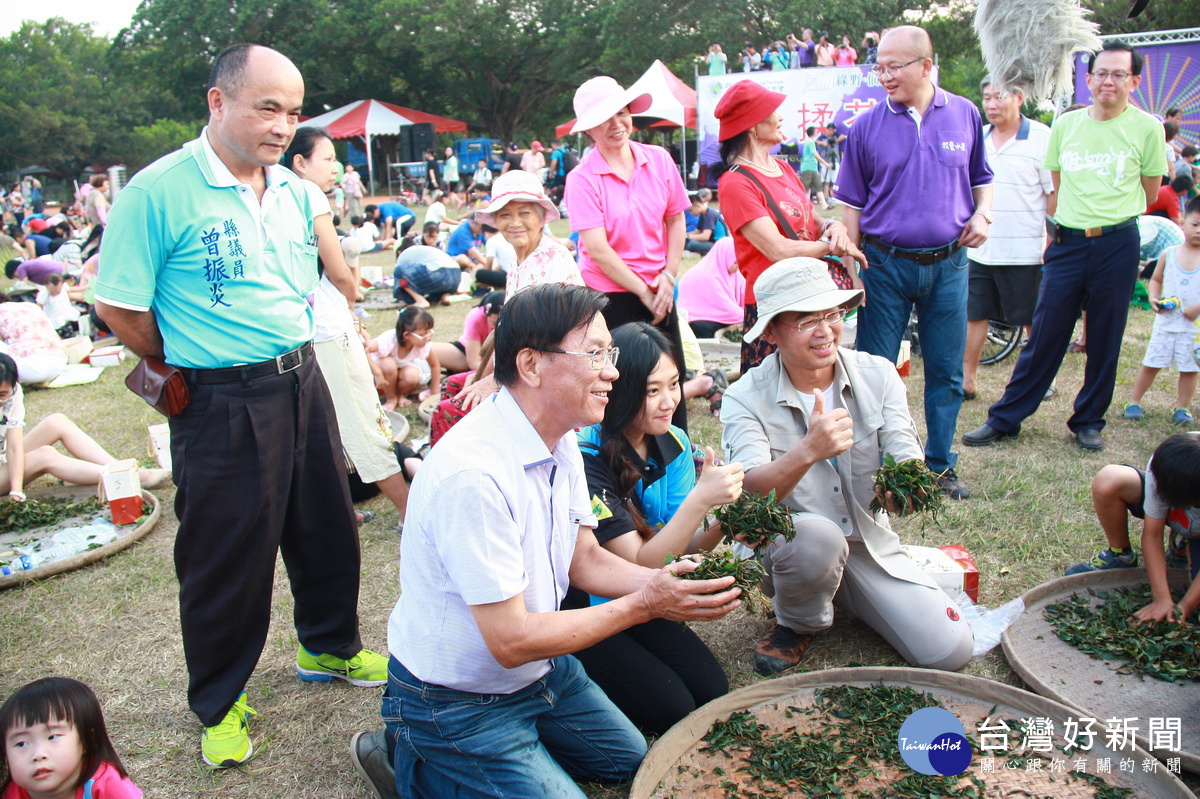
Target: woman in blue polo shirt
(649, 504)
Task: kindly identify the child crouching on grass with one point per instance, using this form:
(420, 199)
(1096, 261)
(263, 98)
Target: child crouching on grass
(1165, 495)
(1176, 276)
(402, 359)
(56, 745)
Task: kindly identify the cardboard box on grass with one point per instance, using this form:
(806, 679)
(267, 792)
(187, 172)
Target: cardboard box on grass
(107, 356)
(158, 444)
(121, 487)
(947, 569)
(77, 348)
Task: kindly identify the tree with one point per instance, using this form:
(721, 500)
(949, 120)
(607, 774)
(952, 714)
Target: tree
(52, 95)
(147, 143)
(504, 66)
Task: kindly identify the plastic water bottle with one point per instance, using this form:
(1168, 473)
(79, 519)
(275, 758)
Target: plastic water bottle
(25, 561)
(19, 564)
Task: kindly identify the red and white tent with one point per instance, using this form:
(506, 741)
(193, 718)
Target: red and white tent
(673, 101)
(368, 118)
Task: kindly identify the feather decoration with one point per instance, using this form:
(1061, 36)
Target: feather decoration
(1030, 44)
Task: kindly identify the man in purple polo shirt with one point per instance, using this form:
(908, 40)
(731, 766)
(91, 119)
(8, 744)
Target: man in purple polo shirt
(917, 189)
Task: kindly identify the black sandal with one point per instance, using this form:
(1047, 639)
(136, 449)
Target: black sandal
(717, 391)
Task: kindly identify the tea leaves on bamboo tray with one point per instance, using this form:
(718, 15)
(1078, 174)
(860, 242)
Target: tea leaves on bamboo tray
(848, 746)
(1161, 650)
(33, 513)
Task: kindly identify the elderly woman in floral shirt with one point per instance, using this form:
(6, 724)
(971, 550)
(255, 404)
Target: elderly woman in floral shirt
(520, 210)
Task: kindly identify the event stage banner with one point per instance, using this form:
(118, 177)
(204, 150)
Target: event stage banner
(816, 96)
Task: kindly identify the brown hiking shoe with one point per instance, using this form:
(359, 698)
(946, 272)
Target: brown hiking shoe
(780, 650)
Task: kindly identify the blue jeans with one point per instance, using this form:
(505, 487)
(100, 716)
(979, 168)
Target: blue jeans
(538, 741)
(939, 291)
(426, 282)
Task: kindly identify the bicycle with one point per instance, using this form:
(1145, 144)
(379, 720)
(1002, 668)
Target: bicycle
(1002, 340)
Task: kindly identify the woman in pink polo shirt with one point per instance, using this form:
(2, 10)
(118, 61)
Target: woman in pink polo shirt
(627, 200)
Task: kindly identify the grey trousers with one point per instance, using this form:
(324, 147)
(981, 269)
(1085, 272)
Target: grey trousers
(821, 568)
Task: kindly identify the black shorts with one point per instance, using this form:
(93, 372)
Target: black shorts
(1004, 293)
(1138, 511)
(459, 346)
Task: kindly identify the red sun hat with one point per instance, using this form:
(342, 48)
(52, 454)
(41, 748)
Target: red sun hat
(744, 105)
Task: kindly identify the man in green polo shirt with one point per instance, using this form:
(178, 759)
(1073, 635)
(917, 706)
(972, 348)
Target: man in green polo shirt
(209, 258)
(1106, 162)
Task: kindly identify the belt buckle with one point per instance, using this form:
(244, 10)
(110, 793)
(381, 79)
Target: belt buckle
(1092, 232)
(927, 258)
(288, 361)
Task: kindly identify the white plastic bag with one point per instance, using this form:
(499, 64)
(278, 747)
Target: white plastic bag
(986, 624)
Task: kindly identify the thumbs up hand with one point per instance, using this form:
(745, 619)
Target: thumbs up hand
(830, 433)
(718, 483)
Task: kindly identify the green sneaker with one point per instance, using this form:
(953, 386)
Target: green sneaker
(227, 743)
(367, 669)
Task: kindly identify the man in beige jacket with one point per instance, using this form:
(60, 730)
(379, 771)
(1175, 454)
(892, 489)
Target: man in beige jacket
(812, 423)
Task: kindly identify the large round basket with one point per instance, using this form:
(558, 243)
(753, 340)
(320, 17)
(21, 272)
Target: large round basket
(1056, 669)
(77, 493)
(676, 767)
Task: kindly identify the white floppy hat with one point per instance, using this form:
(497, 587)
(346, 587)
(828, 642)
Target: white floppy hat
(797, 284)
(518, 186)
(599, 99)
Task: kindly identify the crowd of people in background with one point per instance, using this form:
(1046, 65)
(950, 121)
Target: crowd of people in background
(818, 49)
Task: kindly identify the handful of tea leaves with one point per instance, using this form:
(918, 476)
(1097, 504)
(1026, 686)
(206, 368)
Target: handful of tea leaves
(755, 516)
(1165, 651)
(17, 516)
(909, 481)
(746, 574)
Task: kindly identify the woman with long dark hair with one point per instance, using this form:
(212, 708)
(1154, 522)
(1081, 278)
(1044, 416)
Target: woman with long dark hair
(640, 469)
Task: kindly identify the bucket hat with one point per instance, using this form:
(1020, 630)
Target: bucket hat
(516, 186)
(797, 284)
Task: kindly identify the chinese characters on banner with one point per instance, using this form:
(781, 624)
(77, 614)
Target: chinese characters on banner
(816, 97)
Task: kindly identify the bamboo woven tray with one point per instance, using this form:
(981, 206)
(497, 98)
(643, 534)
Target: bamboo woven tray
(1059, 671)
(675, 767)
(91, 556)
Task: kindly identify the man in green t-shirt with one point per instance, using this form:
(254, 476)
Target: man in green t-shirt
(1106, 162)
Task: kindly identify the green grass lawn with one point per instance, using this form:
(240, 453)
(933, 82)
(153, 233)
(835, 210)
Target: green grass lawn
(115, 624)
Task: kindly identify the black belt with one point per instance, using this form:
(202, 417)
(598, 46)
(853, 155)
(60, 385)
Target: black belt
(279, 365)
(1092, 232)
(922, 257)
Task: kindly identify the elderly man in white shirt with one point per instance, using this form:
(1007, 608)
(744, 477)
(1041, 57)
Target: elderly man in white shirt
(484, 698)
